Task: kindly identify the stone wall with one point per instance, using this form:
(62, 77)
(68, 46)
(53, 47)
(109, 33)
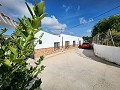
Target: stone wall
(50, 50)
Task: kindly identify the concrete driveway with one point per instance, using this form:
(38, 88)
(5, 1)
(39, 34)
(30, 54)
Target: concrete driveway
(79, 70)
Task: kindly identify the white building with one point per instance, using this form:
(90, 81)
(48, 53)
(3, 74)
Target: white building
(54, 43)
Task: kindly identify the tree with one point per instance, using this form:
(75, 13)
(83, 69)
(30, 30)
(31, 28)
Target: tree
(112, 23)
(15, 50)
(106, 25)
(87, 38)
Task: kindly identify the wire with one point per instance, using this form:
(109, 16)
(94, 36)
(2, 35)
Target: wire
(106, 12)
(95, 17)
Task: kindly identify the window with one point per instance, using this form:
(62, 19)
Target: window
(40, 41)
(67, 44)
(56, 45)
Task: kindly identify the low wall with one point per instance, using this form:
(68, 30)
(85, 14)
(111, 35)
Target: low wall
(109, 53)
(50, 50)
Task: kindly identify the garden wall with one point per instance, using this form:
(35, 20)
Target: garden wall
(109, 53)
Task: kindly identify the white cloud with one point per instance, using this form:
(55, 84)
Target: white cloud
(71, 33)
(53, 24)
(84, 21)
(91, 20)
(88, 31)
(78, 8)
(67, 8)
(64, 6)
(15, 8)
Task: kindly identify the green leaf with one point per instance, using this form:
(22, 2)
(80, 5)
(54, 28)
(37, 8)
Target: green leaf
(36, 31)
(28, 22)
(29, 10)
(3, 47)
(13, 50)
(22, 35)
(39, 8)
(23, 25)
(36, 23)
(42, 16)
(30, 37)
(3, 30)
(1, 51)
(19, 44)
(36, 85)
(18, 60)
(25, 33)
(12, 57)
(22, 42)
(40, 59)
(42, 67)
(7, 63)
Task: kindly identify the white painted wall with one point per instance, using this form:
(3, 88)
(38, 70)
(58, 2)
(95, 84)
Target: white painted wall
(109, 53)
(71, 39)
(49, 39)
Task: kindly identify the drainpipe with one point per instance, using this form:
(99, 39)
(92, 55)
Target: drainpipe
(62, 41)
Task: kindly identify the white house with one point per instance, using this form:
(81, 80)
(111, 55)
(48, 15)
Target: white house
(50, 43)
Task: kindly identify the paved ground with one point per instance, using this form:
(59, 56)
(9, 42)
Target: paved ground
(79, 70)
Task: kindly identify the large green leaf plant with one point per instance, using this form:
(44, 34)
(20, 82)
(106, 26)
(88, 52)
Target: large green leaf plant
(15, 51)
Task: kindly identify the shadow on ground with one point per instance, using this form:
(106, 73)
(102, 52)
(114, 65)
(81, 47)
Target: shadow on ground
(90, 54)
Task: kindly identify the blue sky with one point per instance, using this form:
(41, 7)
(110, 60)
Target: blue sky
(65, 14)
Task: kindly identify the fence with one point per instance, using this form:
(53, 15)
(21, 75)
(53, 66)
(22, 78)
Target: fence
(107, 38)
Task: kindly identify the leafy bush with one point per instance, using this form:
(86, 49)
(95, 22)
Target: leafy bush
(15, 50)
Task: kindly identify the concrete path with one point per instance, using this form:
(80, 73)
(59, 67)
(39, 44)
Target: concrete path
(79, 70)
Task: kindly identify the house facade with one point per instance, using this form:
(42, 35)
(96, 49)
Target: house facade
(50, 43)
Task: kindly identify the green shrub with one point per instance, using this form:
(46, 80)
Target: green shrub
(15, 50)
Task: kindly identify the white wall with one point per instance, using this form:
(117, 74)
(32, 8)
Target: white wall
(109, 53)
(49, 39)
(71, 39)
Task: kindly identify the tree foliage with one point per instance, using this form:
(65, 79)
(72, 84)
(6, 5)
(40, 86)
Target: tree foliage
(15, 50)
(107, 31)
(112, 23)
(87, 38)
